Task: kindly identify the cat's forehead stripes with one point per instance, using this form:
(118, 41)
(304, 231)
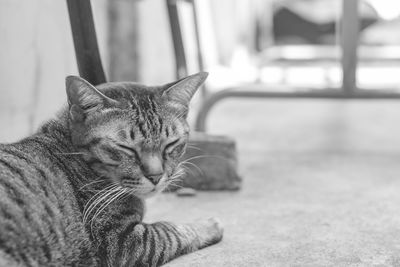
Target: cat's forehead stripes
(152, 120)
(149, 121)
(122, 134)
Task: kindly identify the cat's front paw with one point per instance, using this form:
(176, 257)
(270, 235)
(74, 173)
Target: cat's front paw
(210, 231)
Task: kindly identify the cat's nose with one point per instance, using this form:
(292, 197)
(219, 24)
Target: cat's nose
(152, 167)
(154, 178)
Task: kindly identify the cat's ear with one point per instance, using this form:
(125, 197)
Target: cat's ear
(84, 97)
(183, 90)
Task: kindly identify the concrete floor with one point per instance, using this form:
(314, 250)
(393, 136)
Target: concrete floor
(321, 186)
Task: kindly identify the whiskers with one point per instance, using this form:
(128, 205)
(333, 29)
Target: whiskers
(194, 148)
(101, 200)
(187, 164)
(106, 196)
(174, 179)
(93, 183)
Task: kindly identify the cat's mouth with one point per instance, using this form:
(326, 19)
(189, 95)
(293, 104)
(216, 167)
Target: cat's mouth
(142, 187)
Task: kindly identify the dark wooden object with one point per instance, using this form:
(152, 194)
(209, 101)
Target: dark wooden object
(85, 41)
(180, 57)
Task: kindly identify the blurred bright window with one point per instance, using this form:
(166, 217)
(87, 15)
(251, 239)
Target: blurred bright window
(296, 43)
(305, 32)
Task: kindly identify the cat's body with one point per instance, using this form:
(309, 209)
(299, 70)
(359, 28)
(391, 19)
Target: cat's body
(72, 194)
(41, 204)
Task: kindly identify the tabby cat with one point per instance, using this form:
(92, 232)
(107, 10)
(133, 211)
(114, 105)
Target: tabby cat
(73, 193)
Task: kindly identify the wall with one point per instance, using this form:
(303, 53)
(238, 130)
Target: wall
(36, 53)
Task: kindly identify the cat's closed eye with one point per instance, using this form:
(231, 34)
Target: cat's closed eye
(170, 145)
(174, 148)
(179, 149)
(130, 150)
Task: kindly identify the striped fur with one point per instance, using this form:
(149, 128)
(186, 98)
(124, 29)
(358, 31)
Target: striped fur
(73, 193)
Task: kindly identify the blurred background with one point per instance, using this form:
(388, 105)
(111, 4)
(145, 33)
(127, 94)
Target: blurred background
(320, 176)
(273, 42)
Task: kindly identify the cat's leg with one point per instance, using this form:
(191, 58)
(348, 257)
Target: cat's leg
(140, 244)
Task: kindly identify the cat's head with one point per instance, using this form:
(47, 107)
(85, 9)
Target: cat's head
(131, 134)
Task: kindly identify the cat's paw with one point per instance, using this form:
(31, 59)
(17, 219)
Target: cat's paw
(210, 231)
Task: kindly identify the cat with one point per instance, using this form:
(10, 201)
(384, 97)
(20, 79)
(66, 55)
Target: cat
(73, 193)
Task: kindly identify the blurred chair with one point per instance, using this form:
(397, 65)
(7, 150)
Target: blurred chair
(336, 65)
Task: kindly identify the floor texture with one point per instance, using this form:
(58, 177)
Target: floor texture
(321, 186)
